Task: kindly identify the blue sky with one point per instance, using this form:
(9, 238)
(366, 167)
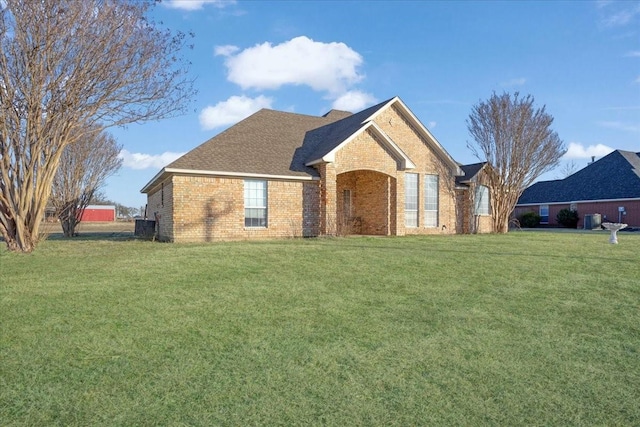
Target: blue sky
(581, 59)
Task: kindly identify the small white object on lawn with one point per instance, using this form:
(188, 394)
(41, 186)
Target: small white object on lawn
(614, 227)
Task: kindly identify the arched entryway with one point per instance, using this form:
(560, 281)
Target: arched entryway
(366, 203)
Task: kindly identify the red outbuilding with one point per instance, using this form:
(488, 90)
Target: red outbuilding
(98, 213)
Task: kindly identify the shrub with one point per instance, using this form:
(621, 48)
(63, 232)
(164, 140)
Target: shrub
(529, 220)
(568, 218)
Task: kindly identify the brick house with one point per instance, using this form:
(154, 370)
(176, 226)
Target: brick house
(609, 187)
(278, 174)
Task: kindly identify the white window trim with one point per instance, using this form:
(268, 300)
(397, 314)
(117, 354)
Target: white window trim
(478, 210)
(249, 206)
(541, 216)
(417, 194)
(426, 200)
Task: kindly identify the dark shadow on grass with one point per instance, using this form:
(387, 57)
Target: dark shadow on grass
(123, 236)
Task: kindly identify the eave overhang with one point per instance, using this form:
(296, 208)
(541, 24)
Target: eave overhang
(167, 172)
(629, 199)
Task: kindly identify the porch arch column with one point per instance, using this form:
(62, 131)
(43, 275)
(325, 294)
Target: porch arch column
(400, 219)
(328, 203)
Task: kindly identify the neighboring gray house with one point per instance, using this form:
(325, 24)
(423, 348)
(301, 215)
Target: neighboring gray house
(609, 187)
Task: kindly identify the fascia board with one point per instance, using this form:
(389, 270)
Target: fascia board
(149, 185)
(381, 109)
(330, 157)
(632, 199)
(167, 171)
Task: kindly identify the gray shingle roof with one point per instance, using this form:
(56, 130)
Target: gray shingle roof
(324, 139)
(615, 176)
(262, 143)
(470, 171)
(274, 143)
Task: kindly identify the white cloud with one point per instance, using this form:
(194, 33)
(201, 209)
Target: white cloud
(514, 82)
(232, 110)
(603, 3)
(632, 54)
(331, 67)
(190, 5)
(431, 125)
(637, 80)
(146, 161)
(620, 126)
(619, 14)
(579, 151)
(354, 101)
(226, 50)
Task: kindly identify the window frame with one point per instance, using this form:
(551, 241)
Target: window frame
(254, 202)
(411, 215)
(542, 217)
(482, 206)
(431, 199)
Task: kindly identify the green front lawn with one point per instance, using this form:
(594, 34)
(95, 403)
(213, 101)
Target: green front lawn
(526, 328)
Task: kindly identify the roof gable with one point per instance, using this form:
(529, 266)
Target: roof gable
(331, 138)
(399, 155)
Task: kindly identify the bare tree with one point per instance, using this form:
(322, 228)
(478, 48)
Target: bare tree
(518, 144)
(67, 66)
(84, 166)
(567, 169)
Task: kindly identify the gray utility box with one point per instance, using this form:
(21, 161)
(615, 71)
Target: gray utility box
(145, 228)
(592, 221)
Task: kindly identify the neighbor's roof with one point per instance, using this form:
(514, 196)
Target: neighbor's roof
(615, 176)
(279, 144)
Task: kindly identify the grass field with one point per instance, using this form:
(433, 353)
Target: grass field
(519, 329)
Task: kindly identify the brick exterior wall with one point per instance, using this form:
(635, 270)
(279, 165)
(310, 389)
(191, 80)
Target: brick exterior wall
(204, 209)
(160, 209)
(328, 203)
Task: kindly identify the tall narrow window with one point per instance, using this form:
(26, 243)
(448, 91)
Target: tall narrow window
(482, 200)
(255, 203)
(544, 214)
(431, 201)
(411, 199)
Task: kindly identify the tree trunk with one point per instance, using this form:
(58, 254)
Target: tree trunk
(502, 227)
(69, 226)
(20, 219)
(67, 230)
(18, 238)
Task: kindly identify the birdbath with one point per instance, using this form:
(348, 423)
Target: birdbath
(613, 227)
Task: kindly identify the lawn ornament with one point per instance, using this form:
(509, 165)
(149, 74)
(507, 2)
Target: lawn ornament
(613, 227)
